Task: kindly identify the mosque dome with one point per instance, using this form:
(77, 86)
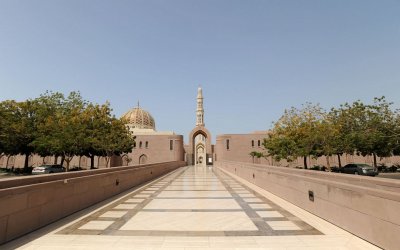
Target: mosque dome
(138, 118)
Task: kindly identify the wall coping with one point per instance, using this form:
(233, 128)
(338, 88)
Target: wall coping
(37, 179)
(388, 189)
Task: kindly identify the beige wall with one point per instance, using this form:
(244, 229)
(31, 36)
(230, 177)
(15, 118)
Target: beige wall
(365, 206)
(158, 149)
(240, 145)
(28, 203)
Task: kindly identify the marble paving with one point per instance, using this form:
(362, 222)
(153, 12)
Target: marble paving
(194, 208)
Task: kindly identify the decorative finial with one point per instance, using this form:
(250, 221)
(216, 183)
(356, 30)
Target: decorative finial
(138, 104)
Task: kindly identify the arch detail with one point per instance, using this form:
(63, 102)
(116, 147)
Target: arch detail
(143, 159)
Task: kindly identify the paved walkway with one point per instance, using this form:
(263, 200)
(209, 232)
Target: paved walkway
(193, 208)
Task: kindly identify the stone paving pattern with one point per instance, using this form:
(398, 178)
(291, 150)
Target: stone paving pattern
(196, 208)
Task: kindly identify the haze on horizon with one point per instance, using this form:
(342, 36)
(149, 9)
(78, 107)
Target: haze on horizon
(253, 59)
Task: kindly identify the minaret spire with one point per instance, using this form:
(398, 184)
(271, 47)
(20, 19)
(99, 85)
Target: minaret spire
(200, 109)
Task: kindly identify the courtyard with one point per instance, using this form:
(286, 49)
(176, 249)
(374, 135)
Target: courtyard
(193, 207)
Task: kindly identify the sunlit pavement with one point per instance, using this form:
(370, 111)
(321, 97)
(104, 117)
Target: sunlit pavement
(192, 208)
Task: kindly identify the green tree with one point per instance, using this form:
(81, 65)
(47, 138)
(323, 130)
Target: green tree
(255, 154)
(294, 134)
(8, 128)
(49, 110)
(17, 128)
(61, 126)
(116, 139)
(374, 137)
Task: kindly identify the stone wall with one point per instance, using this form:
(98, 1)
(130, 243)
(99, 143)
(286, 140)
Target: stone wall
(28, 203)
(368, 207)
(240, 146)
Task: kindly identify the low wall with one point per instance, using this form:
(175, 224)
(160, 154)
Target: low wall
(368, 207)
(28, 203)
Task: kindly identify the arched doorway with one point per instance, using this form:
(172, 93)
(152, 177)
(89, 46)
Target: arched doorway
(199, 151)
(143, 159)
(126, 160)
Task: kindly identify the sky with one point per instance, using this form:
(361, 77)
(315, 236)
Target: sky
(252, 58)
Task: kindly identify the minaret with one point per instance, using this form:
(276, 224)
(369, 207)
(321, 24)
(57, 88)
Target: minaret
(200, 109)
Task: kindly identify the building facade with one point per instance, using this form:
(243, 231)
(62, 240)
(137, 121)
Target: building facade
(151, 146)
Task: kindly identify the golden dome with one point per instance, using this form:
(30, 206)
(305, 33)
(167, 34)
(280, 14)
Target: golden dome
(138, 118)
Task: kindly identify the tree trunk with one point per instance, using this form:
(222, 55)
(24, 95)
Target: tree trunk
(339, 160)
(107, 160)
(375, 165)
(55, 159)
(26, 162)
(68, 160)
(62, 160)
(305, 162)
(92, 162)
(80, 158)
(8, 159)
(328, 164)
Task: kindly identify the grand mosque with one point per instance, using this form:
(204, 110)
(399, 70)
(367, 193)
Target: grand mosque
(156, 146)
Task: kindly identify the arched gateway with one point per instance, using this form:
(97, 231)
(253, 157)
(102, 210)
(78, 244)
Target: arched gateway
(199, 151)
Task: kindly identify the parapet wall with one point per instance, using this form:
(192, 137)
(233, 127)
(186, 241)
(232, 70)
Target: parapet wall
(365, 206)
(28, 203)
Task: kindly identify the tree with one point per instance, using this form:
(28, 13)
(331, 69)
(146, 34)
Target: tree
(116, 139)
(17, 128)
(50, 109)
(61, 128)
(376, 121)
(255, 154)
(294, 135)
(327, 137)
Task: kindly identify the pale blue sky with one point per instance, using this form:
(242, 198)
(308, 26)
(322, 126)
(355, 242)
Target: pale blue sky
(252, 58)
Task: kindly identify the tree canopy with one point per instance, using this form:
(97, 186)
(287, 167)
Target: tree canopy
(55, 125)
(356, 128)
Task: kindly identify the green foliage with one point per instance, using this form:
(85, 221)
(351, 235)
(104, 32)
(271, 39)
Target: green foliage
(354, 128)
(255, 154)
(53, 124)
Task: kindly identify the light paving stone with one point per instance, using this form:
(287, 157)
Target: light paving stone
(259, 206)
(247, 195)
(283, 225)
(243, 192)
(126, 206)
(135, 200)
(148, 192)
(193, 204)
(97, 225)
(270, 214)
(113, 214)
(252, 200)
(141, 195)
(190, 221)
(194, 194)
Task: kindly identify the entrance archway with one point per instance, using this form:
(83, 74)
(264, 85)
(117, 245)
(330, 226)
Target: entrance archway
(199, 151)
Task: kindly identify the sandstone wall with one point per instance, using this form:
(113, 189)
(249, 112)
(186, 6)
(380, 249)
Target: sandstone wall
(28, 203)
(368, 207)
